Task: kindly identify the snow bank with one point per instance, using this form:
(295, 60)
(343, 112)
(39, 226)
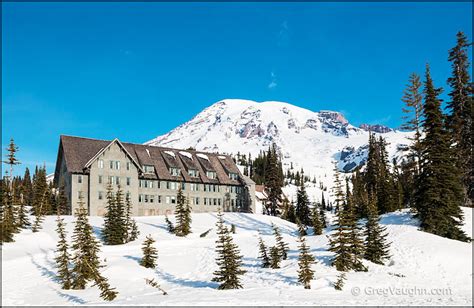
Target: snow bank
(186, 265)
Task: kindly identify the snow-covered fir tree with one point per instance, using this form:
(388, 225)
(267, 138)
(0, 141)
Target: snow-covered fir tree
(63, 257)
(281, 245)
(263, 253)
(376, 245)
(150, 253)
(275, 257)
(183, 215)
(305, 261)
(228, 258)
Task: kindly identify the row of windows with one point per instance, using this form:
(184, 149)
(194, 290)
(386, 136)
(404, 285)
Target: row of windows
(115, 164)
(116, 180)
(144, 198)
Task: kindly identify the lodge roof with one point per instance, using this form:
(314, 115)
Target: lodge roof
(79, 153)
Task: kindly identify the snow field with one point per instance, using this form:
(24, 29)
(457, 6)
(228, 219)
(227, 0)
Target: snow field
(186, 265)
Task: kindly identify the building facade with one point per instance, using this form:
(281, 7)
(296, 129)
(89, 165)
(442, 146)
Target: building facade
(150, 176)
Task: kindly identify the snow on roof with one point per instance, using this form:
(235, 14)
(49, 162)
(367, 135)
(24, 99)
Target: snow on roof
(204, 156)
(222, 157)
(187, 154)
(148, 152)
(260, 195)
(170, 153)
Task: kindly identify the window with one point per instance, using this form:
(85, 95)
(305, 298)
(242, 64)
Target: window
(101, 195)
(146, 198)
(150, 184)
(211, 174)
(100, 179)
(173, 199)
(168, 199)
(159, 199)
(79, 179)
(117, 165)
(183, 186)
(173, 185)
(152, 198)
(167, 185)
(101, 164)
(140, 198)
(193, 173)
(117, 180)
(128, 165)
(149, 168)
(219, 201)
(174, 171)
(205, 201)
(111, 164)
(196, 201)
(232, 202)
(128, 181)
(233, 176)
(194, 187)
(79, 194)
(215, 201)
(128, 196)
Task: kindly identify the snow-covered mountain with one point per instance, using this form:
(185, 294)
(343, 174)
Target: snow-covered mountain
(307, 139)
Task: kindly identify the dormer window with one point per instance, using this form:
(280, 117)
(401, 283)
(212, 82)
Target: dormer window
(233, 176)
(193, 173)
(174, 171)
(211, 174)
(149, 168)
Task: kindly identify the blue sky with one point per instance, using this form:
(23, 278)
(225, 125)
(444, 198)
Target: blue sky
(137, 70)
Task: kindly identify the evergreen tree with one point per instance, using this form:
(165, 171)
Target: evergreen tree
(289, 211)
(27, 188)
(273, 179)
(23, 221)
(106, 292)
(150, 253)
(11, 160)
(316, 221)
(340, 281)
(85, 250)
(183, 215)
(302, 206)
(132, 228)
(376, 246)
(109, 229)
(413, 98)
(301, 228)
(8, 217)
(439, 192)
(322, 215)
(461, 113)
(41, 197)
(263, 255)
(228, 259)
(62, 256)
(280, 244)
(345, 242)
(275, 257)
(305, 260)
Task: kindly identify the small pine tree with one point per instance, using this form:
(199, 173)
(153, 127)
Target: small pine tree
(62, 256)
(316, 221)
(322, 215)
(228, 259)
(275, 257)
(169, 225)
(302, 210)
(150, 253)
(376, 246)
(280, 244)
(301, 228)
(23, 220)
(305, 260)
(85, 250)
(132, 228)
(8, 216)
(340, 281)
(183, 215)
(263, 253)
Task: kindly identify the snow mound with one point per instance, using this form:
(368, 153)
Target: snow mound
(186, 154)
(185, 267)
(171, 153)
(203, 156)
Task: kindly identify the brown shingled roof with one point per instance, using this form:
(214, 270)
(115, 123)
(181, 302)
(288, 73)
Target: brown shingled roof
(79, 151)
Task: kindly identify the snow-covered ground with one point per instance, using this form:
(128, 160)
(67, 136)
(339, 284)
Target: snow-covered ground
(439, 268)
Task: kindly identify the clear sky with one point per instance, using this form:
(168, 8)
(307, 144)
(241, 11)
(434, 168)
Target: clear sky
(137, 70)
